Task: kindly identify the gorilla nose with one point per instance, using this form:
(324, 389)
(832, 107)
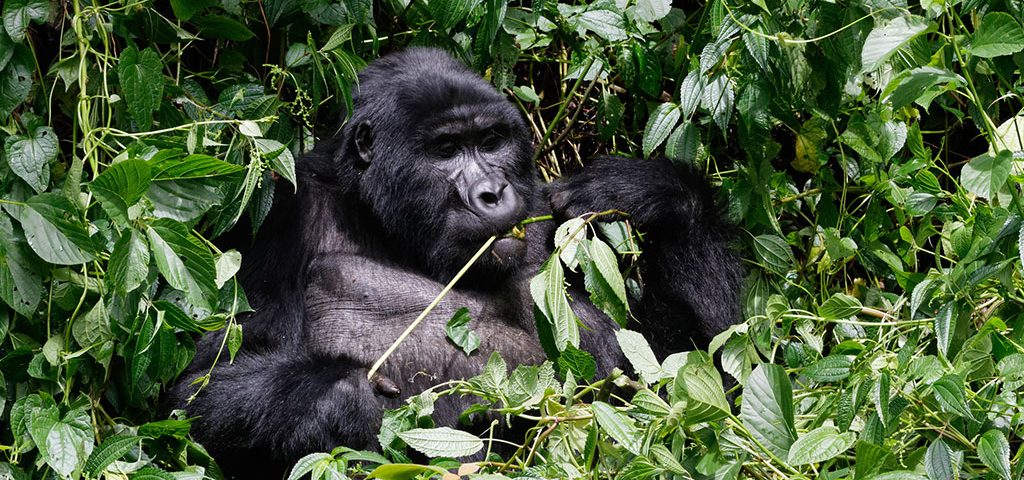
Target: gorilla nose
(493, 198)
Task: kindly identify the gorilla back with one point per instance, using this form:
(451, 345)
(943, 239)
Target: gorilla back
(432, 163)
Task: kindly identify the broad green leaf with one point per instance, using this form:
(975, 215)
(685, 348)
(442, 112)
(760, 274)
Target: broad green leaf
(548, 291)
(129, 261)
(719, 99)
(16, 80)
(442, 442)
(986, 175)
(705, 398)
(227, 265)
(606, 24)
(899, 475)
(450, 12)
(885, 39)
(280, 158)
(401, 471)
(307, 464)
(945, 327)
(665, 458)
(659, 126)
(30, 157)
(459, 333)
(939, 462)
(603, 280)
(651, 10)
(580, 362)
(999, 34)
(112, 449)
(567, 237)
(821, 444)
(994, 452)
(915, 83)
(767, 409)
(234, 340)
(882, 396)
(774, 253)
(183, 260)
(832, 368)
(618, 425)
(949, 391)
(64, 448)
(54, 231)
(839, 306)
(192, 167)
(650, 402)
(93, 328)
(21, 280)
(691, 90)
(120, 186)
(683, 144)
(636, 349)
(186, 9)
(222, 27)
(18, 14)
(142, 83)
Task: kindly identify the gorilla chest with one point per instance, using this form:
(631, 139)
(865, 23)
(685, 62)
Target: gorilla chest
(358, 307)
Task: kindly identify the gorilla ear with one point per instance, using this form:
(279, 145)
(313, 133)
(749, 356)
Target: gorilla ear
(363, 141)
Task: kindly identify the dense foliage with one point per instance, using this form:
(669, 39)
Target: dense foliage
(871, 149)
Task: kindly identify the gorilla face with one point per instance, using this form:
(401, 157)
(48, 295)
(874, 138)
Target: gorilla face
(444, 163)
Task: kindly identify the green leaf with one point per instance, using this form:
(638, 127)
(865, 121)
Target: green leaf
(705, 398)
(580, 362)
(442, 442)
(949, 391)
(21, 281)
(142, 83)
(999, 34)
(636, 349)
(120, 186)
(839, 306)
(280, 158)
(30, 157)
(234, 340)
(939, 462)
(719, 98)
(774, 253)
(606, 24)
(651, 10)
(18, 14)
(691, 90)
(884, 40)
(403, 471)
(54, 231)
(945, 327)
(986, 175)
(169, 167)
(460, 334)
(450, 12)
(308, 463)
(767, 409)
(603, 280)
(994, 452)
(186, 9)
(129, 261)
(183, 260)
(832, 368)
(915, 83)
(567, 238)
(821, 444)
(618, 425)
(222, 27)
(548, 292)
(659, 126)
(683, 144)
(649, 402)
(112, 449)
(16, 80)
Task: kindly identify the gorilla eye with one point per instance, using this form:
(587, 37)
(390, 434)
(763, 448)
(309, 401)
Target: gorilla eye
(491, 141)
(445, 148)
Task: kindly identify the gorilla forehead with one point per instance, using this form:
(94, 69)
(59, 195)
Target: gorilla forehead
(425, 82)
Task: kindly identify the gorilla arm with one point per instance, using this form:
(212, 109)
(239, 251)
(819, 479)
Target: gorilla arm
(691, 275)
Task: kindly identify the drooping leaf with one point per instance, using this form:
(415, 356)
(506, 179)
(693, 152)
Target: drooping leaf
(142, 83)
(30, 157)
(994, 451)
(999, 34)
(18, 13)
(129, 261)
(985, 175)
(55, 232)
(442, 442)
(885, 39)
(767, 409)
(617, 425)
(819, 445)
(457, 330)
(659, 126)
(120, 186)
(603, 280)
(183, 260)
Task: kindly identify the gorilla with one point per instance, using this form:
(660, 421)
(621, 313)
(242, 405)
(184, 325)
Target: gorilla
(433, 162)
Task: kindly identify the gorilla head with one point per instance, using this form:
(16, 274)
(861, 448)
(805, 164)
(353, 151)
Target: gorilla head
(441, 161)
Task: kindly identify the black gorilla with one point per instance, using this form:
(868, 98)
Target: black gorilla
(432, 163)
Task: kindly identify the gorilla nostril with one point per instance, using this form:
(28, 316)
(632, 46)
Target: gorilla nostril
(490, 198)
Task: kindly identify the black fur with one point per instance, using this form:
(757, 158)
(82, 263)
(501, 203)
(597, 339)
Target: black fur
(384, 216)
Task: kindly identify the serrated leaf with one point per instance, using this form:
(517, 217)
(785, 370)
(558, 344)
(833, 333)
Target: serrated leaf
(442, 442)
(819, 445)
(999, 34)
(949, 391)
(767, 409)
(120, 186)
(603, 280)
(129, 261)
(580, 362)
(636, 349)
(659, 126)
(885, 39)
(945, 326)
(567, 244)
(234, 340)
(30, 157)
(719, 99)
(110, 451)
(54, 231)
(183, 260)
(691, 90)
(832, 368)
(994, 452)
(618, 425)
(548, 292)
(705, 398)
(606, 24)
(839, 306)
(459, 333)
(917, 82)
(450, 12)
(774, 253)
(280, 158)
(683, 144)
(306, 464)
(938, 462)
(142, 83)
